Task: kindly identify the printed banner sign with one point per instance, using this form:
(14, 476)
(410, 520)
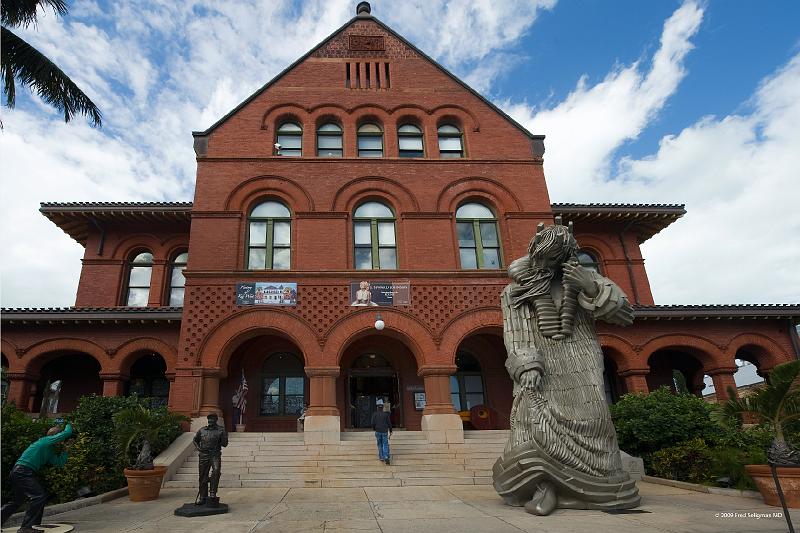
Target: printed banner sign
(376, 293)
(266, 293)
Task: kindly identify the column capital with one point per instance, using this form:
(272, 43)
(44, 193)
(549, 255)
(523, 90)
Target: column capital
(212, 372)
(633, 372)
(437, 370)
(23, 376)
(322, 371)
(113, 376)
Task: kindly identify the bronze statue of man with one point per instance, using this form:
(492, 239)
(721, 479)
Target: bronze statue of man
(562, 451)
(209, 442)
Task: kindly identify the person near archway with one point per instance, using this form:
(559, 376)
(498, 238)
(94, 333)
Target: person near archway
(382, 425)
(25, 483)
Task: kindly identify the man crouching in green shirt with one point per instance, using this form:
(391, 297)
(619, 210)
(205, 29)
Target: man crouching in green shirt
(25, 481)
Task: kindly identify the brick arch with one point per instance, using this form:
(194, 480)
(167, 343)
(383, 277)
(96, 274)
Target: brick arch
(172, 245)
(476, 186)
(620, 351)
(295, 195)
(281, 112)
(43, 352)
(400, 325)
(410, 116)
(10, 350)
(126, 246)
(129, 351)
(368, 112)
(769, 353)
(464, 116)
(327, 113)
(355, 190)
(472, 322)
(597, 246)
(219, 344)
(706, 352)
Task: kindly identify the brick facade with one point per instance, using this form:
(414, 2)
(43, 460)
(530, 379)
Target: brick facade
(451, 309)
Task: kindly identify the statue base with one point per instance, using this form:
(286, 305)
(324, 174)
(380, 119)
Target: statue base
(210, 507)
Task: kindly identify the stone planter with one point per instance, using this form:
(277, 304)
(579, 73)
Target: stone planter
(144, 485)
(789, 479)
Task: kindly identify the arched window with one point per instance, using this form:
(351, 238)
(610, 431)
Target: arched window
(290, 137)
(139, 272)
(451, 144)
(177, 282)
(466, 387)
(409, 139)
(370, 141)
(588, 260)
(478, 242)
(282, 385)
(329, 140)
(270, 238)
(374, 238)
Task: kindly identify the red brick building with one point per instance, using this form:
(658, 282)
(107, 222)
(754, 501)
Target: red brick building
(389, 171)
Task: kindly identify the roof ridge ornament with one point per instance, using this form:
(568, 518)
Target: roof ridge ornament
(363, 9)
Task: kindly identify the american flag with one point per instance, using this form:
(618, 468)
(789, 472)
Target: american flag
(241, 394)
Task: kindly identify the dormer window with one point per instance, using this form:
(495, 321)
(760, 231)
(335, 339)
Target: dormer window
(409, 138)
(290, 137)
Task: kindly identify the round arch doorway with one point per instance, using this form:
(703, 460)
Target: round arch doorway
(371, 378)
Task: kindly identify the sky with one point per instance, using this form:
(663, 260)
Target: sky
(663, 101)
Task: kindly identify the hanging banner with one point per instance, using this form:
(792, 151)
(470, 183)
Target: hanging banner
(377, 293)
(266, 293)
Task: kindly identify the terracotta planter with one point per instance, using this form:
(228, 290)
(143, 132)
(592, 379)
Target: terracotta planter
(789, 479)
(144, 485)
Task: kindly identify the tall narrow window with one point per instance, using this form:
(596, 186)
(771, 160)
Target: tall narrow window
(329, 140)
(374, 238)
(269, 240)
(282, 385)
(370, 141)
(466, 387)
(290, 137)
(478, 242)
(409, 138)
(140, 270)
(450, 142)
(177, 282)
(588, 260)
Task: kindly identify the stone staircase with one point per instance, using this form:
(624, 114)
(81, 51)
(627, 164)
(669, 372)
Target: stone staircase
(284, 460)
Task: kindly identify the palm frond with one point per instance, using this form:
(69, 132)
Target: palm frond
(23, 62)
(23, 12)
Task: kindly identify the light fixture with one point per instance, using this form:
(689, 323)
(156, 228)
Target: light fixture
(379, 324)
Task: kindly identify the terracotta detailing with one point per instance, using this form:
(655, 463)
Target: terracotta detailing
(322, 391)
(113, 384)
(437, 389)
(636, 380)
(210, 392)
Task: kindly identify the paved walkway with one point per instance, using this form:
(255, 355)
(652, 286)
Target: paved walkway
(421, 510)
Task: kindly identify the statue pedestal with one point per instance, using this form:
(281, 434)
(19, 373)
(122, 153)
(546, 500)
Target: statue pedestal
(322, 429)
(210, 507)
(443, 428)
(239, 428)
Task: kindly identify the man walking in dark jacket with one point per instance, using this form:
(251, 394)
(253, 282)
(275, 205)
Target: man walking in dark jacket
(25, 482)
(383, 429)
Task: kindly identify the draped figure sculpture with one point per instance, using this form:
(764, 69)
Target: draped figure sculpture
(562, 451)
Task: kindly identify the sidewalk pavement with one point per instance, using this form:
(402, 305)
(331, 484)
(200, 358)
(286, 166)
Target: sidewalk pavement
(465, 508)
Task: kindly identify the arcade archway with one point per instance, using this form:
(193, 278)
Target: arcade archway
(63, 380)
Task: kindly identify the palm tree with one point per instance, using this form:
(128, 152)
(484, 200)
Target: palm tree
(774, 406)
(22, 62)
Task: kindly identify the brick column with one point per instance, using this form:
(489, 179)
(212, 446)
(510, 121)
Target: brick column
(440, 423)
(157, 277)
(635, 379)
(21, 389)
(322, 424)
(113, 384)
(210, 395)
(723, 378)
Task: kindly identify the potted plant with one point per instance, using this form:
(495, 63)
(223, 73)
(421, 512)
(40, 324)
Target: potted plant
(774, 406)
(141, 427)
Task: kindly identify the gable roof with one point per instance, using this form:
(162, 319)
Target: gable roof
(390, 31)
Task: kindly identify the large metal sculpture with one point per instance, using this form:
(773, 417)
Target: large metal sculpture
(208, 441)
(562, 451)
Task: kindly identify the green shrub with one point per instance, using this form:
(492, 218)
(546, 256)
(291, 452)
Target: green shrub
(688, 461)
(647, 423)
(18, 432)
(94, 458)
(729, 462)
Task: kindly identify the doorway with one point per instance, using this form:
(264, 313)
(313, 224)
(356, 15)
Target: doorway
(372, 378)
